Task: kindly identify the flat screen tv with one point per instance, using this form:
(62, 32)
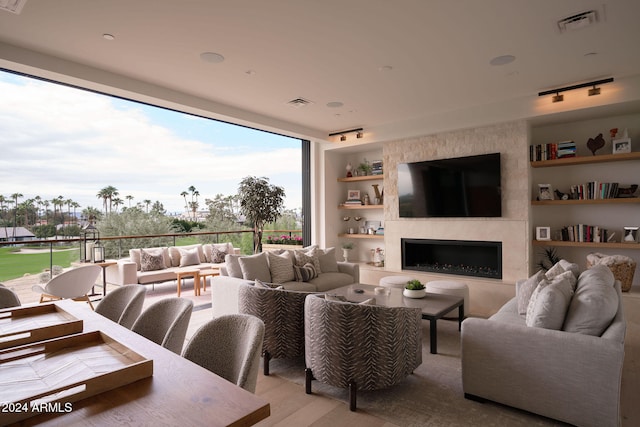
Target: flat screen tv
(450, 188)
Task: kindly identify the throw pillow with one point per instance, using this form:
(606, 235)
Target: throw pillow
(547, 309)
(303, 257)
(259, 283)
(255, 267)
(189, 257)
(281, 267)
(525, 291)
(327, 258)
(594, 304)
(305, 273)
(150, 261)
(174, 253)
(232, 265)
(217, 255)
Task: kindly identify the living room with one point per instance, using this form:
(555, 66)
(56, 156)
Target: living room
(423, 80)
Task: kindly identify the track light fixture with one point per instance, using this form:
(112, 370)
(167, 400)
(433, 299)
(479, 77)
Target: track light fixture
(557, 97)
(343, 134)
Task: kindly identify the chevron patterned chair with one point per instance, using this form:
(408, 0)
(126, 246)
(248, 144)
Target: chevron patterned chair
(358, 346)
(282, 312)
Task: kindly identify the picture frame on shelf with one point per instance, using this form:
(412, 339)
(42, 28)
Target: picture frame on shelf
(622, 145)
(543, 233)
(545, 192)
(353, 194)
(630, 235)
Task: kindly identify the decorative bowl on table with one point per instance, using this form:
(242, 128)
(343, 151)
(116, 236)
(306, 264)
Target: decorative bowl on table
(414, 293)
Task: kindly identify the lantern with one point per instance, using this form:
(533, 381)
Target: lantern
(90, 235)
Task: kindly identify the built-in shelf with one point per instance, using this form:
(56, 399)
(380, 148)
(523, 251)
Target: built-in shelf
(585, 160)
(627, 200)
(362, 236)
(607, 245)
(360, 206)
(361, 178)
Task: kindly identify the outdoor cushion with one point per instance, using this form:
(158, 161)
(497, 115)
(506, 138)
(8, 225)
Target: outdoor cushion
(255, 267)
(232, 265)
(189, 257)
(151, 260)
(281, 267)
(327, 258)
(134, 255)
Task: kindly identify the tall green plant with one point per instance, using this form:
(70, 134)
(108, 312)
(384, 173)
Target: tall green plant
(260, 203)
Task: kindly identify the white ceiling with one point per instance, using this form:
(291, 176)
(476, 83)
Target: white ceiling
(330, 51)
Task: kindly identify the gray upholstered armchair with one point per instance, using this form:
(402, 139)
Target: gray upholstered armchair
(358, 346)
(282, 312)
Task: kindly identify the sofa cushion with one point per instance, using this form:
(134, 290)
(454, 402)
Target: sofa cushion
(327, 258)
(594, 304)
(232, 265)
(281, 267)
(174, 253)
(304, 256)
(216, 255)
(255, 267)
(151, 260)
(189, 257)
(134, 255)
(207, 249)
(327, 281)
(305, 273)
(548, 305)
(526, 289)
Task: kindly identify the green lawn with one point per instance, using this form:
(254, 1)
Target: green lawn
(15, 264)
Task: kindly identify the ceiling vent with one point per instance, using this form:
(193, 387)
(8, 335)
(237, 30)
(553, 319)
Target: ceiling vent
(13, 6)
(299, 103)
(578, 21)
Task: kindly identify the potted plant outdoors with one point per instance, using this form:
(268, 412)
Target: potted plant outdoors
(346, 248)
(414, 289)
(260, 203)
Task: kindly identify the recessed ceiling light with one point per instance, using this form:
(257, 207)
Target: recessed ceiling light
(212, 57)
(108, 36)
(385, 68)
(334, 104)
(502, 60)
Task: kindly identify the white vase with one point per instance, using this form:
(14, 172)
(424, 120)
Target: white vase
(345, 254)
(412, 293)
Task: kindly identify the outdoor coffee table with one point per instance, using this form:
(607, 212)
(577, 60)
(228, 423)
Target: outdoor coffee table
(433, 306)
(208, 272)
(195, 273)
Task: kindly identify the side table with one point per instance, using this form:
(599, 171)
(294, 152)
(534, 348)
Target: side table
(208, 272)
(182, 274)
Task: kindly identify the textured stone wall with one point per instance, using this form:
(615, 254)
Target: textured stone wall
(512, 229)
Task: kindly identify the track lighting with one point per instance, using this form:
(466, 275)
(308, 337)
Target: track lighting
(559, 97)
(343, 134)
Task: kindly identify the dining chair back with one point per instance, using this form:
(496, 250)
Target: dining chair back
(8, 298)
(72, 284)
(123, 305)
(229, 346)
(165, 322)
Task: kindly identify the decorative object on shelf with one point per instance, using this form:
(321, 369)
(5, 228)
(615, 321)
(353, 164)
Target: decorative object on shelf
(630, 235)
(623, 144)
(358, 228)
(621, 266)
(626, 192)
(376, 167)
(346, 220)
(349, 169)
(353, 195)
(378, 257)
(543, 233)
(414, 289)
(365, 199)
(594, 144)
(545, 192)
(346, 248)
(561, 196)
(372, 226)
(365, 168)
(379, 194)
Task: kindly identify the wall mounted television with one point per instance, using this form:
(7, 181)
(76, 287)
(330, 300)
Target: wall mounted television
(450, 188)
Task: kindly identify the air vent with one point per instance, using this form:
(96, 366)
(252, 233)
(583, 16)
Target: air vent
(299, 103)
(578, 21)
(13, 6)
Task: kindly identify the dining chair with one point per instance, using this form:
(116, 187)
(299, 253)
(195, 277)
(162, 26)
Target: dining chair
(123, 305)
(8, 298)
(165, 322)
(229, 346)
(72, 284)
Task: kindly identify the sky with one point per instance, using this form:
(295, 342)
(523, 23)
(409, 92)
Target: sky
(60, 141)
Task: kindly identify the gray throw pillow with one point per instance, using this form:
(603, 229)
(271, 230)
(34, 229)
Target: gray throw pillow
(255, 267)
(526, 290)
(281, 267)
(232, 265)
(328, 262)
(305, 273)
(150, 261)
(549, 302)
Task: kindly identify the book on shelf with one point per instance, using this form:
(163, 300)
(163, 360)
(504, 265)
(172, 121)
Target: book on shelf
(376, 167)
(584, 233)
(594, 190)
(353, 202)
(552, 151)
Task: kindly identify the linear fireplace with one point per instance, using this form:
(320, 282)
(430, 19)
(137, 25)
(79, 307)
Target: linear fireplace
(461, 257)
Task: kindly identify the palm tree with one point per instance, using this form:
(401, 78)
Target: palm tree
(46, 204)
(193, 204)
(75, 205)
(117, 202)
(102, 194)
(147, 202)
(3, 206)
(15, 197)
(186, 204)
(38, 201)
(129, 199)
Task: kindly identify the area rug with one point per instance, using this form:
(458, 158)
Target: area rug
(431, 396)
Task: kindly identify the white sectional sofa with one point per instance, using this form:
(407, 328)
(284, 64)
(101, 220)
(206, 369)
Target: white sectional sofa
(561, 359)
(167, 261)
(286, 268)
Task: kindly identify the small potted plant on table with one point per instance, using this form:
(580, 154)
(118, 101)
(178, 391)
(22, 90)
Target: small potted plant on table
(414, 289)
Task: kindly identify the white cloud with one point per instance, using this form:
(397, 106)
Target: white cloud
(57, 140)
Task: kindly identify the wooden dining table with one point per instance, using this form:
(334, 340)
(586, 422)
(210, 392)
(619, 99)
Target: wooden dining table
(179, 392)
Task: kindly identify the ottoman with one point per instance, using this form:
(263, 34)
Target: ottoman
(394, 281)
(450, 287)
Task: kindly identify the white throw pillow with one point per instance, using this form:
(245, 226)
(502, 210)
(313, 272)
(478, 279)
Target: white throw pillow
(232, 265)
(255, 267)
(189, 257)
(548, 305)
(328, 262)
(281, 267)
(594, 304)
(525, 291)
